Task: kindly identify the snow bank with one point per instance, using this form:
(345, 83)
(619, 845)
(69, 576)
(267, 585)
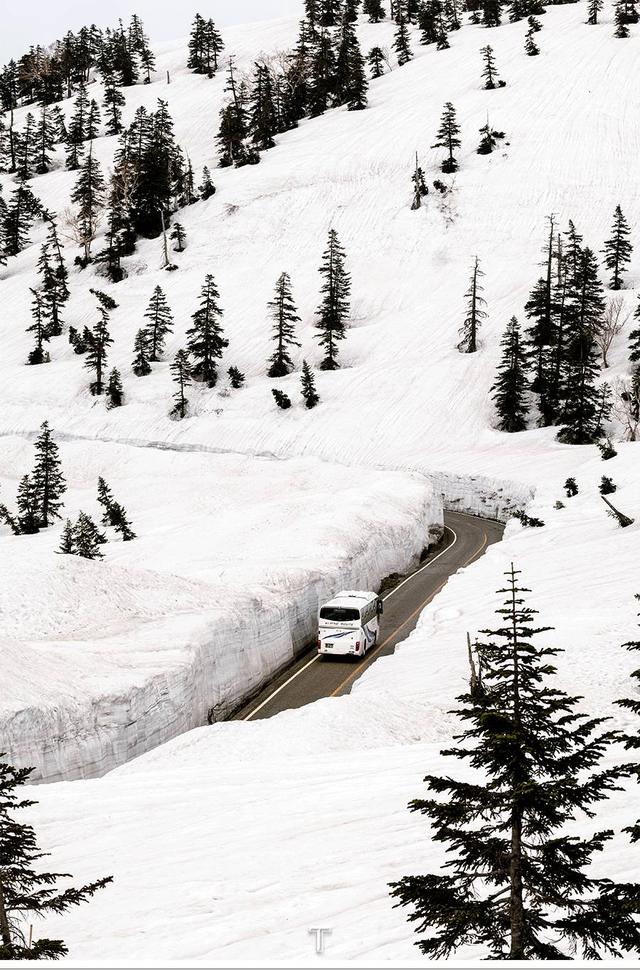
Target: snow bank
(104, 660)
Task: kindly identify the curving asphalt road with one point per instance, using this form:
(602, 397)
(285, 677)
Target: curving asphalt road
(312, 677)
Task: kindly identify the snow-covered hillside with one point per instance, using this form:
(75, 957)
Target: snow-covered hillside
(231, 842)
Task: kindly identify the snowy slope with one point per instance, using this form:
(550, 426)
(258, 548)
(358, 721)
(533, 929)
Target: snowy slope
(230, 842)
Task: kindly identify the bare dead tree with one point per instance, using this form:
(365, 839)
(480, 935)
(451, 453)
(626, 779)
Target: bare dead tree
(622, 519)
(80, 230)
(610, 325)
(626, 404)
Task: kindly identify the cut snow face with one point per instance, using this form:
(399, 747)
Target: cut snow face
(104, 659)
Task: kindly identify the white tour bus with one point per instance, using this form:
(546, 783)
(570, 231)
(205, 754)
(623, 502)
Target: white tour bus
(348, 625)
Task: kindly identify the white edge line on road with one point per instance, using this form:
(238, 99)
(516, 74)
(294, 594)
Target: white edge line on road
(388, 596)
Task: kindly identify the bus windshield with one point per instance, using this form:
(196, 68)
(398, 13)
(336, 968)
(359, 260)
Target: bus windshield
(339, 614)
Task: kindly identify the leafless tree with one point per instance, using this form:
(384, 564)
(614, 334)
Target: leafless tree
(610, 325)
(626, 404)
(80, 230)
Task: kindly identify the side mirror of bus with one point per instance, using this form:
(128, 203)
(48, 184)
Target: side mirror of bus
(380, 607)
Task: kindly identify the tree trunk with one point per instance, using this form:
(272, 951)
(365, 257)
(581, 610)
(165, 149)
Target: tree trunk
(5, 929)
(516, 906)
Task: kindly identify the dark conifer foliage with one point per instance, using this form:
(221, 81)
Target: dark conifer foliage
(334, 308)
(53, 290)
(282, 400)
(420, 189)
(28, 518)
(236, 378)
(376, 61)
(284, 314)
(374, 10)
(92, 129)
(620, 18)
(515, 884)
(351, 80)
(308, 387)
(45, 140)
(618, 249)
(67, 541)
(448, 138)
(141, 366)
(27, 890)
(234, 130)
(18, 218)
(530, 46)
(542, 336)
(49, 484)
(77, 128)
(534, 24)
(607, 486)
(158, 313)
(489, 140)
(634, 338)
(510, 397)
(87, 538)
(39, 330)
(97, 351)
(330, 12)
(571, 487)
(112, 104)
(594, 8)
(475, 312)
(89, 195)
(401, 42)
(490, 71)
(206, 343)
(606, 449)
(179, 237)
(491, 13)
(115, 391)
(206, 187)
(181, 373)
(205, 47)
(429, 21)
(113, 513)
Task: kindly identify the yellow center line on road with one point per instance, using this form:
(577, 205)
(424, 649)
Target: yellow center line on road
(368, 660)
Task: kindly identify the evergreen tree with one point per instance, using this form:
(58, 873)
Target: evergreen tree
(489, 140)
(17, 221)
(517, 10)
(141, 366)
(153, 186)
(534, 24)
(594, 8)
(282, 400)
(542, 337)
(92, 129)
(45, 138)
(285, 316)
(51, 292)
(263, 119)
(28, 518)
(448, 137)
(115, 392)
(49, 484)
(27, 891)
(205, 47)
(607, 486)
(205, 339)
(490, 71)
(530, 46)
(113, 513)
(428, 21)
(26, 149)
(158, 313)
(77, 128)
(322, 72)
(206, 188)
(308, 387)
(475, 313)
(620, 19)
(350, 11)
(89, 195)
(618, 249)
(233, 131)
(376, 62)
(330, 12)
(581, 415)
(334, 308)
(374, 10)
(67, 541)
(39, 329)
(181, 371)
(236, 378)
(634, 339)
(97, 350)
(515, 884)
(179, 237)
(87, 538)
(401, 43)
(511, 383)
(112, 103)
(420, 189)
(351, 79)
(571, 487)
(491, 13)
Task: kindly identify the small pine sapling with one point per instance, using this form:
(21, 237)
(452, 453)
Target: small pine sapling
(571, 487)
(88, 538)
(530, 46)
(141, 366)
(528, 521)
(376, 61)
(179, 237)
(489, 140)
(282, 400)
(594, 7)
(606, 449)
(607, 486)
(181, 374)
(236, 377)
(67, 540)
(308, 387)
(206, 188)
(490, 71)
(420, 189)
(115, 392)
(535, 25)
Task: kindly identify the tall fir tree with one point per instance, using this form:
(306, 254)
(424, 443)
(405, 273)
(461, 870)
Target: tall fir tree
(112, 104)
(28, 517)
(351, 79)
(44, 141)
(541, 337)
(263, 119)
(448, 138)
(475, 313)
(89, 195)
(632, 741)
(401, 43)
(420, 190)
(491, 13)
(515, 884)
(284, 314)
(618, 249)
(27, 890)
(97, 352)
(490, 71)
(594, 7)
(620, 19)
(48, 480)
(308, 387)
(322, 72)
(113, 513)
(39, 330)
(510, 397)
(334, 308)
(140, 365)
(206, 342)
(160, 323)
(17, 220)
(374, 10)
(181, 373)
(376, 61)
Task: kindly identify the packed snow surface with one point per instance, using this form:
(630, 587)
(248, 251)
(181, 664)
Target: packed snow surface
(231, 842)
